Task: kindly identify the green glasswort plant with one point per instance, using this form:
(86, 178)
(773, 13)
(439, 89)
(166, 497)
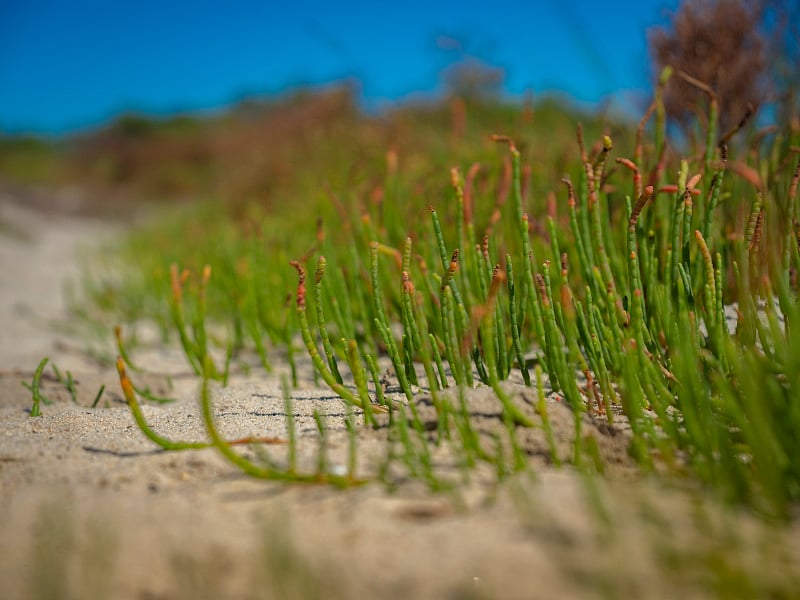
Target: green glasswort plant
(68, 381)
(653, 290)
(642, 315)
(36, 411)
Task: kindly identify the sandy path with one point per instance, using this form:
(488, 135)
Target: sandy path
(38, 253)
(89, 510)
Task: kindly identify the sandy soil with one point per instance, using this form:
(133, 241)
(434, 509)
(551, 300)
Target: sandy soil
(89, 509)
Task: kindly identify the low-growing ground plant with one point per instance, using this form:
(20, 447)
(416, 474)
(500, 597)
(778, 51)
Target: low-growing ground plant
(637, 282)
(69, 383)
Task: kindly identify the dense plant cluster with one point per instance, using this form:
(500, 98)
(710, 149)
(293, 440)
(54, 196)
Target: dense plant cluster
(659, 292)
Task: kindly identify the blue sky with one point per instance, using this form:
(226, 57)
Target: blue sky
(66, 66)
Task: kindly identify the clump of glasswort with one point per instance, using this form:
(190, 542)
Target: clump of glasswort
(616, 293)
(68, 381)
(639, 310)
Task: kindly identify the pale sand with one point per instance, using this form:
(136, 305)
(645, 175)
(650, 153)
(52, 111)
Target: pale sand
(89, 509)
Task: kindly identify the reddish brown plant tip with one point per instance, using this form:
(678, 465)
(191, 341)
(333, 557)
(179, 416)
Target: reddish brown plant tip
(301, 284)
(498, 273)
(504, 139)
(125, 382)
(570, 191)
(498, 278)
(454, 262)
(642, 201)
(694, 181)
(408, 285)
(206, 275)
(671, 188)
(301, 270)
(600, 162)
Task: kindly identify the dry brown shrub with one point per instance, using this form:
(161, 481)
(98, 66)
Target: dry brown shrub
(720, 43)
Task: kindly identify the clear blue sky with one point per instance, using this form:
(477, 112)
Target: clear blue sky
(70, 65)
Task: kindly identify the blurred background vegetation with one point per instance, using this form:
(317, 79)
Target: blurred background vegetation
(271, 151)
